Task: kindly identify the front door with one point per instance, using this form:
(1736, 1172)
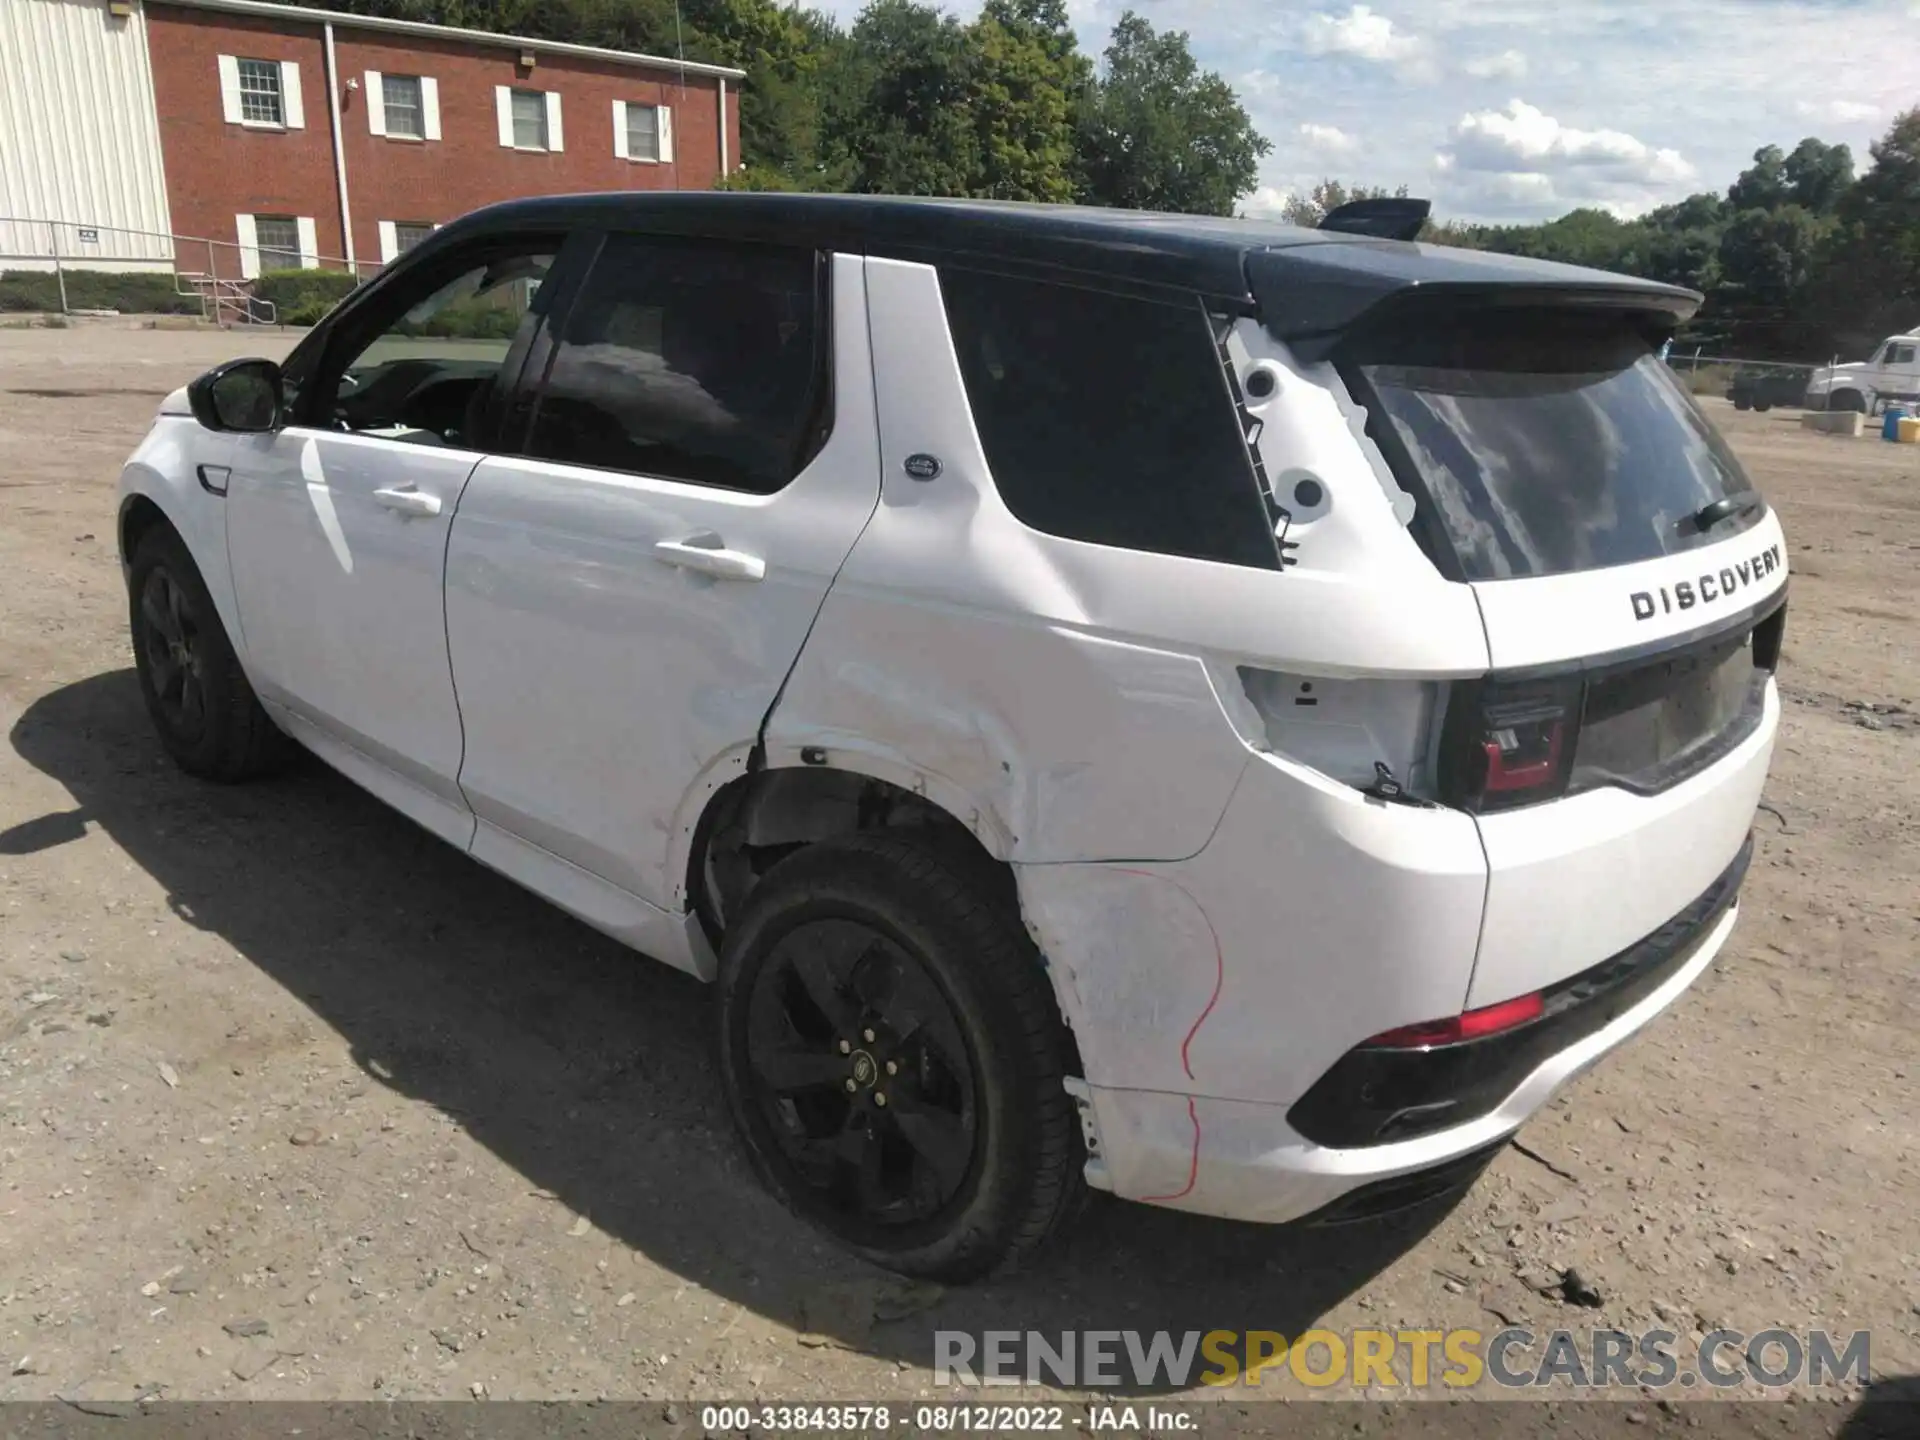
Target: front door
(626, 595)
(337, 528)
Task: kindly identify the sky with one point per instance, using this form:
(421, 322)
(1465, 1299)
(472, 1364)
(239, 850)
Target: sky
(1520, 110)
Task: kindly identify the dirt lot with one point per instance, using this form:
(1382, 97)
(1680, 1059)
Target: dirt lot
(273, 1060)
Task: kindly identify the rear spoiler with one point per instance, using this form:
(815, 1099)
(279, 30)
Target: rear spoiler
(1312, 295)
(1389, 217)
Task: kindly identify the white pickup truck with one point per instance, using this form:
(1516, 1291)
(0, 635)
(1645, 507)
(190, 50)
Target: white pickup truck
(1892, 374)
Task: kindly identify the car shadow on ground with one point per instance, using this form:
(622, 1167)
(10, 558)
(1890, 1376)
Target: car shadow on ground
(586, 1069)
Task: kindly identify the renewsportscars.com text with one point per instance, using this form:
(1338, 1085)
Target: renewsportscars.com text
(1515, 1358)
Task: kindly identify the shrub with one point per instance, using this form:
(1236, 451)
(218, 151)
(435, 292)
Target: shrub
(297, 290)
(307, 312)
(95, 290)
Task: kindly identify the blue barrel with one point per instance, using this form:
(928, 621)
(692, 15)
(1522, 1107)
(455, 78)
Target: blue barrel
(1890, 427)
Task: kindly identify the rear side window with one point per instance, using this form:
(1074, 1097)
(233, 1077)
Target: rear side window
(700, 362)
(1542, 443)
(1107, 419)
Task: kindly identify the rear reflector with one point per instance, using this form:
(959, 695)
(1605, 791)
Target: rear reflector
(1470, 1025)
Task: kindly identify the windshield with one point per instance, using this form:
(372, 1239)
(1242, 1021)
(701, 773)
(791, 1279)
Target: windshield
(1540, 444)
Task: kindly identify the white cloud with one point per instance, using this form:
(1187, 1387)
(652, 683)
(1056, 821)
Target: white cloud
(1525, 138)
(1837, 112)
(1266, 203)
(1521, 160)
(1328, 139)
(1365, 34)
(1507, 65)
(1359, 32)
(1706, 78)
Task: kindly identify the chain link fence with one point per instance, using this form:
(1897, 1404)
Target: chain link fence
(1750, 384)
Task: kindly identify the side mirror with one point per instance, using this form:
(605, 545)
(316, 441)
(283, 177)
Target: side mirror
(242, 396)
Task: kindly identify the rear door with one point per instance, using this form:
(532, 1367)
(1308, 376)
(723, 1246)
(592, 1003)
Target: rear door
(1631, 583)
(627, 592)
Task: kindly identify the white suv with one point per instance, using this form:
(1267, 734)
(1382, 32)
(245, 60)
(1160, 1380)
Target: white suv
(1231, 715)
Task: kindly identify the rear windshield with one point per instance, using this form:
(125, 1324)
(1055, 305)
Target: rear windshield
(1539, 444)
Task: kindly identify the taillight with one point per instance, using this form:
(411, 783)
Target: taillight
(1469, 1025)
(1509, 744)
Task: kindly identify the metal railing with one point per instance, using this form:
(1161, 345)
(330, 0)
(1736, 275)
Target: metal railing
(223, 288)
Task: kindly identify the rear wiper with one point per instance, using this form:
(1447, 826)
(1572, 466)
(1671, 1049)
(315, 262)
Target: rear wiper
(1708, 516)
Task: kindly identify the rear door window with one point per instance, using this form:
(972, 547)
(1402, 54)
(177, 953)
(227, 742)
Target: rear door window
(1107, 418)
(687, 360)
(1544, 443)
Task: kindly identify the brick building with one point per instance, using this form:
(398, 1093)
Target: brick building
(293, 136)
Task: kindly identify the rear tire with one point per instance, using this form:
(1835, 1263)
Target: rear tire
(196, 693)
(1741, 402)
(893, 1056)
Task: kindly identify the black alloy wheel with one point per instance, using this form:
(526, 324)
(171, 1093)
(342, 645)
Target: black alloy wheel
(195, 690)
(865, 1081)
(894, 1056)
(170, 639)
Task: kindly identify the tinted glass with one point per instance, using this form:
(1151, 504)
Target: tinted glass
(691, 361)
(1107, 419)
(1546, 443)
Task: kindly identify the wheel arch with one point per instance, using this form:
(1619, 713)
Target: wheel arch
(158, 487)
(744, 814)
(140, 513)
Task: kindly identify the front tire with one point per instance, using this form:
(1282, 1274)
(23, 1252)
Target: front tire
(893, 1056)
(196, 694)
(1848, 400)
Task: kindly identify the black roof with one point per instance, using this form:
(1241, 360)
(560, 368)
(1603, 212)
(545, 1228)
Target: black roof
(1304, 281)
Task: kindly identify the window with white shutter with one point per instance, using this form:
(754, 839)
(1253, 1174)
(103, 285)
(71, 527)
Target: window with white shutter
(402, 108)
(260, 97)
(529, 119)
(643, 132)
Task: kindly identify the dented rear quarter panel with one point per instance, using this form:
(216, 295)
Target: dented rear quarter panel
(1079, 708)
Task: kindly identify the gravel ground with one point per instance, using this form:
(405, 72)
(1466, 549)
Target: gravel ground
(296, 1102)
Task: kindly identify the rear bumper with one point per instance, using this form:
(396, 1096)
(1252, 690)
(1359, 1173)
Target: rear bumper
(1377, 1094)
(1245, 1161)
(1209, 996)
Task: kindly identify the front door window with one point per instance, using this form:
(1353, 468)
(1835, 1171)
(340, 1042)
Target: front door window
(428, 375)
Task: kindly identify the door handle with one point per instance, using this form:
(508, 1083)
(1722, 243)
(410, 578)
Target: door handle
(711, 560)
(409, 501)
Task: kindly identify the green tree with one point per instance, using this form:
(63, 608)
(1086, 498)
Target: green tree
(1329, 195)
(1818, 176)
(903, 124)
(1763, 185)
(934, 107)
(1156, 132)
(1867, 276)
(1027, 77)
